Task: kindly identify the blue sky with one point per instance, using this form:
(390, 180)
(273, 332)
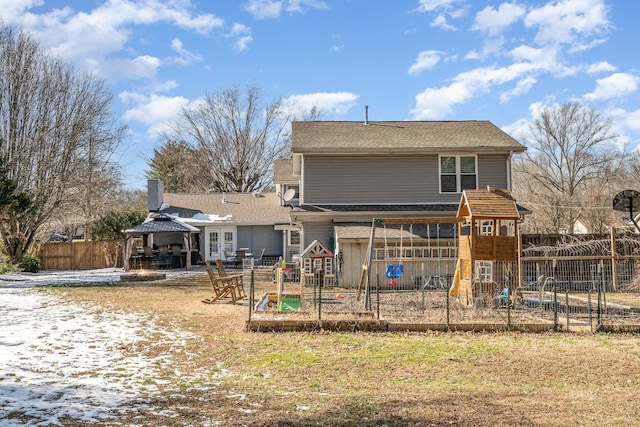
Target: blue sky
(405, 59)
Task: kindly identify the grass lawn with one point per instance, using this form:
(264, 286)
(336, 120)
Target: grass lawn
(376, 379)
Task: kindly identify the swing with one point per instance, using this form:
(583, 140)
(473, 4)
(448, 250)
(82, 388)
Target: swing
(394, 271)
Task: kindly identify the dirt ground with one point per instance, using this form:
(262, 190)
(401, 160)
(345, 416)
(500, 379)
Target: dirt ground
(372, 379)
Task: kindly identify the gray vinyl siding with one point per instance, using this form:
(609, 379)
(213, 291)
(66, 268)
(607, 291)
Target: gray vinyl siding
(320, 231)
(258, 237)
(388, 180)
(492, 170)
(370, 180)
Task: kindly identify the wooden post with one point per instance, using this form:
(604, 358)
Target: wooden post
(519, 244)
(614, 267)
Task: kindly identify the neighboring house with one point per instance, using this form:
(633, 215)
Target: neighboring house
(351, 172)
(253, 222)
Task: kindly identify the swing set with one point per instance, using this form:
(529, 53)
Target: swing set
(395, 261)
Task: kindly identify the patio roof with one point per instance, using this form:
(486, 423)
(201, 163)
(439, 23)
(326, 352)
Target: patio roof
(162, 223)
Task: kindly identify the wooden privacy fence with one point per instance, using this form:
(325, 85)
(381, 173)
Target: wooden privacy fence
(81, 255)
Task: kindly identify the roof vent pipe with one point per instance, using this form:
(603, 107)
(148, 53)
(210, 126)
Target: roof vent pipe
(366, 114)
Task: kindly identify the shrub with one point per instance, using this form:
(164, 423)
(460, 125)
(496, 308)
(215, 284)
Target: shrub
(6, 266)
(110, 225)
(30, 264)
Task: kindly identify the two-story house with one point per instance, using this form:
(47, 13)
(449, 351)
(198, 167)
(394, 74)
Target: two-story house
(341, 176)
(349, 173)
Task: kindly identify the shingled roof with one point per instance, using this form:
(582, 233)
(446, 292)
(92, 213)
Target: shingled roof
(283, 172)
(487, 204)
(235, 208)
(400, 137)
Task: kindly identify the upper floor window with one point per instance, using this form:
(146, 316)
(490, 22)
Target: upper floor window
(458, 173)
(294, 237)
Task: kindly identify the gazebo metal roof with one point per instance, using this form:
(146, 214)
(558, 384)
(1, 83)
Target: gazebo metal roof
(162, 223)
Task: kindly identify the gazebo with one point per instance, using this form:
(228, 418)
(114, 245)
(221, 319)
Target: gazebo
(159, 223)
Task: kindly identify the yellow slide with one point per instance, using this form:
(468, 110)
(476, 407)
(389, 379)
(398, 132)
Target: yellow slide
(455, 285)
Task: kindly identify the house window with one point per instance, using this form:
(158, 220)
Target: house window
(295, 198)
(294, 237)
(296, 189)
(457, 173)
(228, 242)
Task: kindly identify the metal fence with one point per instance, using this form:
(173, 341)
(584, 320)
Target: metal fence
(566, 293)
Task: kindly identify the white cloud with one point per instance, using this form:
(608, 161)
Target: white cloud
(600, 67)
(144, 66)
(155, 111)
(517, 129)
(334, 102)
(426, 60)
(444, 9)
(568, 21)
(528, 53)
(441, 22)
(263, 9)
(241, 36)
(298, 5)
(493, 21)
(242, 43)
(614, 86)
(627, 119)
(436, 103)
(523, 86)
(431, 5)
(271, 9)
(338, 43)
(493, 45)
(13, 9)
(87, 39)
(185, 57)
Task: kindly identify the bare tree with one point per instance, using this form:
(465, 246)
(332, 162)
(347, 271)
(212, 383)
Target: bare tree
(237, 136)
(570, 157)
(58, 133)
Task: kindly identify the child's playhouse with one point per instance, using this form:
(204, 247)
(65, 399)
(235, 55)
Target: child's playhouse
(487, 248)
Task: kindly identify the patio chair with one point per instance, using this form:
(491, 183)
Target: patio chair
(163, 259)
(147, 255)
(177, 260)
(222, 287)
(236, 279)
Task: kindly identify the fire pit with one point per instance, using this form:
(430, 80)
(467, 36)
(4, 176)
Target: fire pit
(142, 276)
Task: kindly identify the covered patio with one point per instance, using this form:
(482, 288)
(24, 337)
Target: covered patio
(177, 254)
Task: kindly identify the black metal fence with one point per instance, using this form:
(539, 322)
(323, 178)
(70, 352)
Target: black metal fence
(583, 292)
